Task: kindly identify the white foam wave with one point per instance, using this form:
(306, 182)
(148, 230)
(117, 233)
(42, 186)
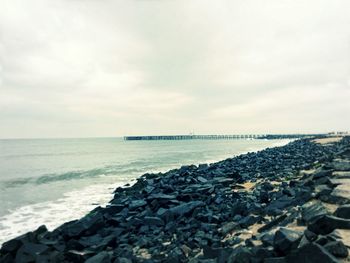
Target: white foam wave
(72, 206)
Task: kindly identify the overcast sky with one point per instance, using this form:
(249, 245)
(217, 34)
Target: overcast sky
(77, 68)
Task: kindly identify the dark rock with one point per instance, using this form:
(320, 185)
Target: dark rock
(7, 259)
(212, 252)
(153, 221)
(266, 186)
(29, 251)
(341, 165)
(275, 207)
(304, 241)
(322, 173)
(326, 224)
(13, 245)
(162, 197)
(343, 211)
(264, 197)
(275, 260)
(311, 253)
(249, 220)
(149, 189)
(312, 211)
(272, 223)
(185, 208)
(114, 209)
(262, 252)
(102, 257)
(240, 255)
(79, 256)
(88, 225)
(311, 236)
(228, 227)
(136, 204)
(337, 248)
(175, 256)
(267, 238)
(202, 179)
(122, 260)
(286, 240)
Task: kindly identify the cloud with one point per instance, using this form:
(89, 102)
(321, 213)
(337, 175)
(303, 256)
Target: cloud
(108, 68)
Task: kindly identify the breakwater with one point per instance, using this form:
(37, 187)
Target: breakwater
(220, 137)
(284, 204)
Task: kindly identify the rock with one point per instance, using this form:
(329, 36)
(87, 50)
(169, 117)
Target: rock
(114, 208)
(343, 235)
(202, 179)
(13, 245)
(267, 238)
(311, 253)
(29, 252)
(343, 211)
(185, 208)
(272, 223)
(228, 227)
(266, 186)
(240, 255)
(264, 197)
(212, 252)
(312, 211)
(311, 236)
(262, 252)
(249, 220)
(102, 257)
(175, 256)
(326, 224)
(153, 221)
(276, 206)
(341, 165)
(87, 225)
(122, 260)
(79, 256)
(149, 189)
(286, 240)
(7, 259)
(136, 204)
(337, 248)
(162, 197)
(322, 173)
(275, 260)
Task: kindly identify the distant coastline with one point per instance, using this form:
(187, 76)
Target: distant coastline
(220, 137)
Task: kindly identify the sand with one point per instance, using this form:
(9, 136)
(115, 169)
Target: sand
(328, 140)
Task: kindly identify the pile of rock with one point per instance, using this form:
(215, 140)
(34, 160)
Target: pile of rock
(286, 204)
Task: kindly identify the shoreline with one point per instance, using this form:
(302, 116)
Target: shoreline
(204, 212)
(101, 193)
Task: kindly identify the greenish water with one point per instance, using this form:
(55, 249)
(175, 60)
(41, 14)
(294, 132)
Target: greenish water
(50, 181)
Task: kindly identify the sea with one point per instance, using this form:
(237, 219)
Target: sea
(52, 181)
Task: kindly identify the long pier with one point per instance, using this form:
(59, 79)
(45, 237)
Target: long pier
(218, 137)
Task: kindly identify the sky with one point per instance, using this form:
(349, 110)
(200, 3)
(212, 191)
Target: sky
(90, 68)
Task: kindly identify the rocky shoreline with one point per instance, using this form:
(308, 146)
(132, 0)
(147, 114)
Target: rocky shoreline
(283, 204)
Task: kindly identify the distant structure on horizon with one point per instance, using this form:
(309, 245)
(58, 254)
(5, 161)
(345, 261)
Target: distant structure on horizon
(339, 133)
(219, 137)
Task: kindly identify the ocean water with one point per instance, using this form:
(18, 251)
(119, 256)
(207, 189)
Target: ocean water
(51, 181)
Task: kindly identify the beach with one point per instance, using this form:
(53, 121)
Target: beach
(41, 178)
(280, 204)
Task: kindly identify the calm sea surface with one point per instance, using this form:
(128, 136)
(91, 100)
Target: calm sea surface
(51, 181)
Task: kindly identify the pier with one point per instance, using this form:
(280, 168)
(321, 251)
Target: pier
(218, 137)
